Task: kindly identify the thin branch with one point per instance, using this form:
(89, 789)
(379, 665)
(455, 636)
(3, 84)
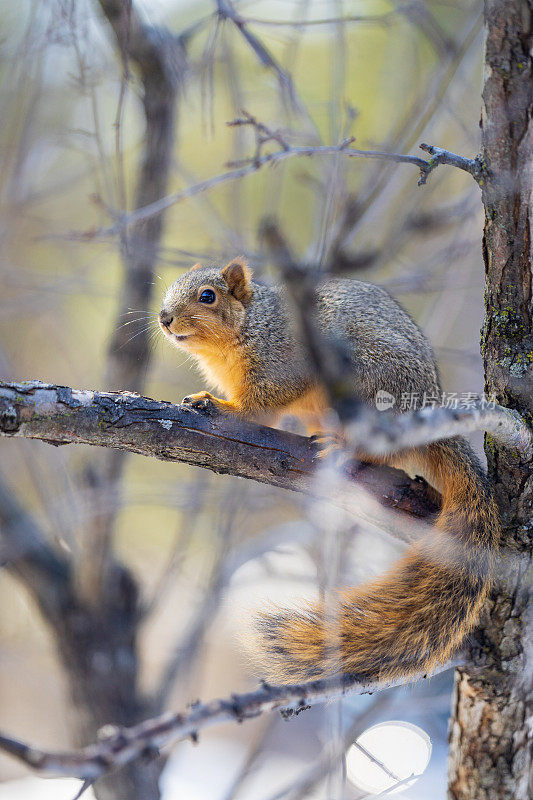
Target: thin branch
(251, 165)
(328, 358)
(127, 744)
(190, 507)
(183, 656)
(383, 434)
(333, 753)
(421, 110)
(420, 15)
(254, 753)
(230, 445)
(86, 785)
(377, 19)
(25, 551)
(160, 61)
(227, 11)
(474, 166)
(404, 782)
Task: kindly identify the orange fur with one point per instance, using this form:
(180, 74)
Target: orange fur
(311, 408)
(414, 616)
(223, 367)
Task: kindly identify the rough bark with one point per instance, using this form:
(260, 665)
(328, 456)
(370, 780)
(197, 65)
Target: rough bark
(491, 735)
(225, 444)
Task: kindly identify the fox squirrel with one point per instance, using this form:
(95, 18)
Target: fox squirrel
(243, 336)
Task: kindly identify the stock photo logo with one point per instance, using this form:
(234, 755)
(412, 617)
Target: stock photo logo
(415, 401)
(384, 400)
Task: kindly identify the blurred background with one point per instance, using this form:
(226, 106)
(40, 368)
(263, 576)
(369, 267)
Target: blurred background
(202, 549)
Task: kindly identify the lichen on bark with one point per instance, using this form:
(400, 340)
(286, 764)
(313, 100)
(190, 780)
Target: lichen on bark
(490, 737)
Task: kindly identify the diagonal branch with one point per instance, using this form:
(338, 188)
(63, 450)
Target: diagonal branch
(126, 744)
(256, 162)
(223, 442)
(160, 60)
(230, 445)
(227, 11)
(25, 552)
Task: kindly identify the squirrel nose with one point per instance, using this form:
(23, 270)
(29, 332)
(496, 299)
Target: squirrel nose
(165, 318)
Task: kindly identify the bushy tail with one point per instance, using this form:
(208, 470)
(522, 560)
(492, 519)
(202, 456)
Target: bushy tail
(415, 615)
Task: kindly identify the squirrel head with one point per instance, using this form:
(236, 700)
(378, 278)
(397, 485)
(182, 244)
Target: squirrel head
(207, 305)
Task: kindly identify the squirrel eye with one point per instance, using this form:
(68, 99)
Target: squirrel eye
(207, 296)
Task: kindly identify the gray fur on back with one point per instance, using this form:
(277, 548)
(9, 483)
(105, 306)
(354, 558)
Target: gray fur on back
(387, 349)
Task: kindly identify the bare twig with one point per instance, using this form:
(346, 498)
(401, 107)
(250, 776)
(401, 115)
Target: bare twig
(420, 15)
(376, 19)
(254, 753)
(183, 656)
(329, 358)
(86, 785)
(226, 10)
(474, 166)
(407, 133)
(250, 165)
(127, 744)
(263, 134)
(383, 434)
(302, 787)
(191, 505)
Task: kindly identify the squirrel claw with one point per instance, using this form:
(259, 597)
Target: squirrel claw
(328, 446)
(203, 401)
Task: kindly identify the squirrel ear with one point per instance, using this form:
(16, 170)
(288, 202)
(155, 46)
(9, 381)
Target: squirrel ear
(237, 275)
(196, 266)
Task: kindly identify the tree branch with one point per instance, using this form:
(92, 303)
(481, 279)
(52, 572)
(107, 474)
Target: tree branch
(224, 443)
(474, 166)
(227, 11)
(25, 551)
(248, 166)
(125, 744)
(377, 19)
(230, 445)
(382, 434)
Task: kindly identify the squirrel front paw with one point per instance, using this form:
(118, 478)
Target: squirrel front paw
(201, 401)
(329, 446)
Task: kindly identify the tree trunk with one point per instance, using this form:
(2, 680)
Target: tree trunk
(491, 736)
(97, 637)
(98, 648)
